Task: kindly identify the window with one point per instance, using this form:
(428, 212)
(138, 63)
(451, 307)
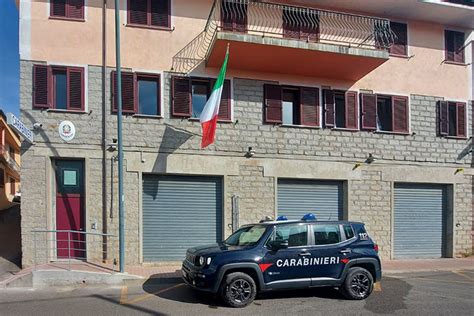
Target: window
(301, 23)
(149, 13)
(452, 119)
(295, 234)
(291, 105)
(68, 9)
(454, 46)
(12, 186)
(384, 113)
(326, 234)
(189, 96)
(234, 16)
(340, 109)
(2, 178)
(11, 152)
(58, 87)
(246, 236)
(400, 43)
(348, 231)
(140, 93)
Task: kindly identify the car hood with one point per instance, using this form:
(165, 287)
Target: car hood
(214, 249)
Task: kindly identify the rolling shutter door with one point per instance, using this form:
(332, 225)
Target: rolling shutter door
(179, 212)
(419, 220)
(298, 197)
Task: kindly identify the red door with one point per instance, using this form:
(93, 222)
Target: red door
(70, 209)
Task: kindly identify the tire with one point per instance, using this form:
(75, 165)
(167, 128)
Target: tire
(358, 284)
(238, 289)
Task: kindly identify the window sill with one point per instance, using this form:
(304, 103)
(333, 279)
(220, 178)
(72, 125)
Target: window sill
(66, 111)
(344, 129)
(450, 62)
(63, 18)
(147, 116)
(193, 119)
(150, 27)
(299, 126)
(400, 56)
(455, 137)
(392, 133)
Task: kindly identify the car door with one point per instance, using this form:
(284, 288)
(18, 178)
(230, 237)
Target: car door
(329, 253)
(284, 268)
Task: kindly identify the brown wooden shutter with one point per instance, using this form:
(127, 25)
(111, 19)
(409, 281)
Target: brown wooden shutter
(273, 103)
(329, 108)
(75, 79)
(75, 9)
(309, 104)
(400, 114)
(352, 110)
(181, 96)
(369, 111)
(138, 12)
(128, 92)
(461, 119)
(160, 13)
(399, 46)
(58, 8)
(443, 118)
(225, 110)
(458, 53)
(41, 86)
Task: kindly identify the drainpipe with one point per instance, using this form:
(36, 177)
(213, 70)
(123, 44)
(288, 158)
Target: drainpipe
(105, 253)
(119, 137)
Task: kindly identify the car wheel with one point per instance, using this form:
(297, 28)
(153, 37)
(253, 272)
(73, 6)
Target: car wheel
(238, 289)
(358, 284)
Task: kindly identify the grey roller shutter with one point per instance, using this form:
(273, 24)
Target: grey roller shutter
(179, 212)
(298, 197)
(419, 220)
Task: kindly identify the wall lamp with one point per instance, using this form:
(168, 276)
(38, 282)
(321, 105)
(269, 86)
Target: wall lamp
(250, 153)
(370, 159)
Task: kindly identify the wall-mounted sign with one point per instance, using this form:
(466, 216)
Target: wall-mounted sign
(19, 127)
(67, 131)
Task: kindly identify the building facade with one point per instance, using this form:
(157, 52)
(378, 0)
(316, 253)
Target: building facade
(359, 112)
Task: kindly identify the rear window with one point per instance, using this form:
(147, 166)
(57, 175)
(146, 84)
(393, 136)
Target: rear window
(348, 231)
(326, 234)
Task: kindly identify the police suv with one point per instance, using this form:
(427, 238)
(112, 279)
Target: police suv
(281, 255)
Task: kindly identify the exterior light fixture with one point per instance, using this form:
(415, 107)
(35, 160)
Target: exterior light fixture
(250, 153)
(370, 159)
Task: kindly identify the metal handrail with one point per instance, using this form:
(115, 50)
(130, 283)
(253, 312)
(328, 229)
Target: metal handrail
(284, 21)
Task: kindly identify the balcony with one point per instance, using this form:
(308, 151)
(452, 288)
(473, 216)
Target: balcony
(277, 38)
(9, 161)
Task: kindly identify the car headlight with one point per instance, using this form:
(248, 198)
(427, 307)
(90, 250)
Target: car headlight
(202, 260)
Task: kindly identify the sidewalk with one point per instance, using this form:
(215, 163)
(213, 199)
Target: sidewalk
(445, 264)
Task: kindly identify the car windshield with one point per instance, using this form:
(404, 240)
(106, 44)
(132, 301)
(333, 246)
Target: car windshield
(246, 236)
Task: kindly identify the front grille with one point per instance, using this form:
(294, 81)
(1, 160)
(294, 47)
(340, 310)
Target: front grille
(190, 257)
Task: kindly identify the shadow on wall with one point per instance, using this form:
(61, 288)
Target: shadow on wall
(39, 132)
(10, 235)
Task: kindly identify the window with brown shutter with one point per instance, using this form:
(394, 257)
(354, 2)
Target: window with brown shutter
(385, 113)
(76, 88)
(329, 108)
(452, 119)
(351, 110)
(272, 103)
(309, 111)
(149, 13)
(400, 44)
(368, 111)
(128, 92)
(225, 110)
(400, 114)
(67, 9)
(340, 109)
(181, 96)
(41, 86)
(454, 46)
(233, 16)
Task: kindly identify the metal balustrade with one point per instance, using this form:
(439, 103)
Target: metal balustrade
(286, 22)
(71, 247)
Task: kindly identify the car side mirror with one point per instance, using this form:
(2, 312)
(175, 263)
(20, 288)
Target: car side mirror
(278, 244)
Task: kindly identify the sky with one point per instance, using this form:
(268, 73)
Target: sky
(9, 57)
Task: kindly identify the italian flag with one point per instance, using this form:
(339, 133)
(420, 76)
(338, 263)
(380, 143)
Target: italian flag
(209, 114)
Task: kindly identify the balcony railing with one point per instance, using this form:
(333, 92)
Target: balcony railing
(5, 155)
(285, 22)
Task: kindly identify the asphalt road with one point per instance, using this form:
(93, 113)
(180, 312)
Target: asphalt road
(429, 293)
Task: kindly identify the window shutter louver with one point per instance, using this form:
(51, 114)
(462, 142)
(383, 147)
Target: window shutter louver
(75, 9)
(443, 116)
(352, 110)
(41, 86)
(329, 108)
(128, 92)
(181, 94)
(225, 105)
(369, 111)
(309, 106)
(76, 88)
(58, 8)
(273, 103)
(461, 119)
(138, 12)
(399, 46)
(160, 13)
(400, 114)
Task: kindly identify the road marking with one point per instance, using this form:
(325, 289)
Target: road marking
(378, 287)
(462, 274)
(123, 295)
(147, 296)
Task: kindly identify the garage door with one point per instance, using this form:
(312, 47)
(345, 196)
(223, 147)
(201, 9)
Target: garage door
(298, 197)
(179, 212)
(419, 220)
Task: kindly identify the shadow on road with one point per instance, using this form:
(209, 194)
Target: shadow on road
(392, 298)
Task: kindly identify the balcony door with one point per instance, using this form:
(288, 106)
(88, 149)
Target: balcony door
(234, 16)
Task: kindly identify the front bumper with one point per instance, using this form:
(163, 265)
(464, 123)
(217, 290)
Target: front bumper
(199, 279)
